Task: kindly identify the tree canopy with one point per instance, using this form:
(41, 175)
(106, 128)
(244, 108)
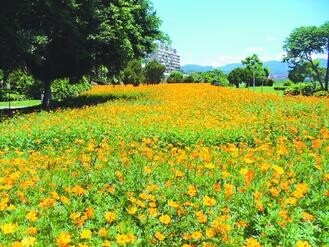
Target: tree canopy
(154, 72)
(304, 42)
(56, 39)
(175, 76)
(256, 74)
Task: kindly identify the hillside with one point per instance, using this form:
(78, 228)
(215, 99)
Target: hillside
(278, 69)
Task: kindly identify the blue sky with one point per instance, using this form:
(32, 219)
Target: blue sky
(219, 32)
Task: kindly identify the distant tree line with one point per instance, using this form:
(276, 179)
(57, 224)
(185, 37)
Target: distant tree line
(252, 71)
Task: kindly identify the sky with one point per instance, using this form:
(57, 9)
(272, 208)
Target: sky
(219, 32)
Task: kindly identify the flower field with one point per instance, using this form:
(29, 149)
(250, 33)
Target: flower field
(168, 165)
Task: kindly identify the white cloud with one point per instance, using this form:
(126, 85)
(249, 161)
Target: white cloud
(255, 49)
(270, 38)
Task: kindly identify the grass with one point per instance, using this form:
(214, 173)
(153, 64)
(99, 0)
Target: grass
(20, 104)
(265, 89)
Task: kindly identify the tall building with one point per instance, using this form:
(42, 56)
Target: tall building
(167, 56)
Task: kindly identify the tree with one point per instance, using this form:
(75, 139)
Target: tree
(324, 33)
(215, 75)
(300, 72)
(133, 73)
(154, 72)
(237, 76)
(57, 39)
(255, 67)
(304, 42)
(175, 76)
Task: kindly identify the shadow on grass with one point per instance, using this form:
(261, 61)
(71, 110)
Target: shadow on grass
(70, 103)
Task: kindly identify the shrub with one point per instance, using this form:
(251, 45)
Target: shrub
(177, 76)
(24, 84)
(321, 93)
(133, 73)
(189, 79)
(62, 88)
(280, 88)
(305, 89)
(288, 83)
(10, 96)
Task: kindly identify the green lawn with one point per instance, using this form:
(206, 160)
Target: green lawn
(20, 104)
(265, 90)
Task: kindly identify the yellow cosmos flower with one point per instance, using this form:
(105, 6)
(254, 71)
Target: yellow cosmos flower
(196, 235)
(252, 242)
(110, 217)
(102, 232)
(85, 234)
(301, 243)
(29, 241)
(208, 201)
(165, 219)
(63, 239)
(201, 217)
(32, 216)
(159, 236)
(8, 228)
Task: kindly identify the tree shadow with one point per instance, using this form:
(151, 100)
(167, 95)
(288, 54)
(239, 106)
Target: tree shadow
(69, 103)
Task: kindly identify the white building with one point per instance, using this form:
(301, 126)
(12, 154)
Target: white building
(166, 56)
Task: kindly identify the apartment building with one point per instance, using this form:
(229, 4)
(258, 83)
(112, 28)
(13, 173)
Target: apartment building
(167, 56)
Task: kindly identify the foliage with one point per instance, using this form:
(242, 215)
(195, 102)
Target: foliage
(301, 72)
(268, 82)
(238, 76)
(100, 75)
(176, 76)
(197, 77)
(305, 89)
(76, 36)
(220, 169)
(321, 93)
(214, 75)
(256, 74)
(304, 42)
(288, 83)
(154, 72)
(133, 73)
(24, 84)
(63, 89)
(189, 79)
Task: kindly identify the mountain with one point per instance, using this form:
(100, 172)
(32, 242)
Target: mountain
(189, 68)
(229, 67)
(278, 69)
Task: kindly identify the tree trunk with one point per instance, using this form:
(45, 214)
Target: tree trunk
(327, 72)
(47, 96)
